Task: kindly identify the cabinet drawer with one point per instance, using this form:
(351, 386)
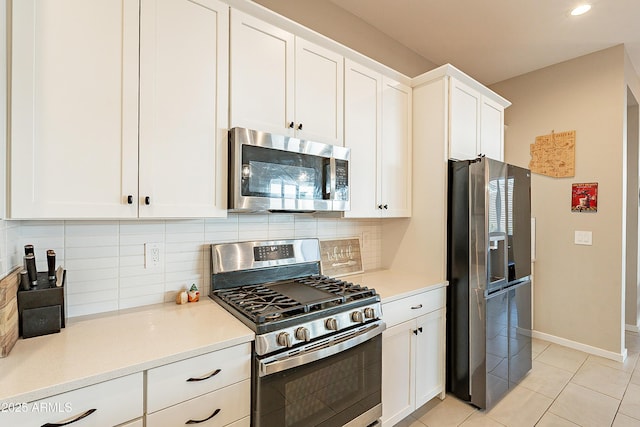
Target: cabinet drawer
(180, 381)
(228, 404)
(113, 402)
(404, 309)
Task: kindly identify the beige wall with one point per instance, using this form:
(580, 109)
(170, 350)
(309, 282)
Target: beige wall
(578, 292)
(336, 23)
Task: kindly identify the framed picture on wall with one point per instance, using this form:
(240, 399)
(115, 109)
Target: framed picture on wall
(584, 197)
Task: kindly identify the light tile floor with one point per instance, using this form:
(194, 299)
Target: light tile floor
(565, 387)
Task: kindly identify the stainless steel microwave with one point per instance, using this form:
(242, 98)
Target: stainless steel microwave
(276, 173)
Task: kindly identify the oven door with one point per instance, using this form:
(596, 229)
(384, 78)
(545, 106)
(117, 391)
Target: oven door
(333, 383)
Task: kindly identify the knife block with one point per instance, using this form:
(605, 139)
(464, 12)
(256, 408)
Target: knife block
(41, 308)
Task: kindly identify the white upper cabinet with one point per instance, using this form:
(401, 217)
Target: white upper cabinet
(476, 123)
(492, 129)
(363, 134)
(283, 84)
(465, 121)
(395, 152)
(77, 67)
(378, 131)
(74, 109)
(183, 108)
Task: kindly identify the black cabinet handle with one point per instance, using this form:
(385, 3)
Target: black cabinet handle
(78, 418)
(129, 199)
(206, 419)
(300, 126)
(420, 329)
(415, 332)
(379, 206)
(205, 377)
(416, 307)
(386, 206)
(147, 200)
(291, 124)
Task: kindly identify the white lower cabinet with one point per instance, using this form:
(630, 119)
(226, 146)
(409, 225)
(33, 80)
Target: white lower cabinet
(109, 403)
(137, 423)
(222, 407)
(413, 349)
(213, 389)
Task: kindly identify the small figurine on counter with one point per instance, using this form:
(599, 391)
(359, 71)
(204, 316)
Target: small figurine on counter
(194, 293)
(182, 297)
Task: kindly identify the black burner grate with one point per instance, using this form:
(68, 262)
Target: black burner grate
(265, 303)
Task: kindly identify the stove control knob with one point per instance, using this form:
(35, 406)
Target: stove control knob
(331, 324)
(369, 313)
(357, 317)
(284, 339)
(303, 334)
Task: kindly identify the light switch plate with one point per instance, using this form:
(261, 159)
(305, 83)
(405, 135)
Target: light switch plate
(583, 238)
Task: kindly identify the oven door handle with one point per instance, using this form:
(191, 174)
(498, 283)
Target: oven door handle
(320, 350)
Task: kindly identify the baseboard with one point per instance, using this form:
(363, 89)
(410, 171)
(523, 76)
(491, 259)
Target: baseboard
(618, 357)
(632, 328)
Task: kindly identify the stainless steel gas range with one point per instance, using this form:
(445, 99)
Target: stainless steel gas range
(318, 348)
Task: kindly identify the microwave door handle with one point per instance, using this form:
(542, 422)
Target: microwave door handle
(332, 178)
(276, 364)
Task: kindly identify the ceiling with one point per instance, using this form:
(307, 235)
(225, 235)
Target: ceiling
(493, 40)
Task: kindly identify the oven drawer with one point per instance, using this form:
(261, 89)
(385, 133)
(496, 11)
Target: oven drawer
(396, 312)
(221, 407)
(186, 379)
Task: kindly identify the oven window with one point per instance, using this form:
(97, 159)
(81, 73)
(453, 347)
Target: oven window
(268, 172)
(329, 392)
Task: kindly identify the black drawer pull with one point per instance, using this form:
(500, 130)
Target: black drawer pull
(415, 332)
(420, 329)
(416, 307)
(206, 419)
(147, 200)
(300, 126)
(205, 377)
(66, 423)
(129, 199)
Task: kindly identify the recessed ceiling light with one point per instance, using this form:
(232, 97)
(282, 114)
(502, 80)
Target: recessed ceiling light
(583, 8)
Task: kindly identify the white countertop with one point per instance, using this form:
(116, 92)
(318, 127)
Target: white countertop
(392, 285)
(102, 347)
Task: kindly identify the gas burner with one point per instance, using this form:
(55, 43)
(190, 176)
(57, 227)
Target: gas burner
(339, 287)
(260, 303)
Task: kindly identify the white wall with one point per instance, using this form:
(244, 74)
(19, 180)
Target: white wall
(105, 259)
(579, 290)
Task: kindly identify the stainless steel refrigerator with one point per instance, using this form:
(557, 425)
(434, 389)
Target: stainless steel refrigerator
(489, 273)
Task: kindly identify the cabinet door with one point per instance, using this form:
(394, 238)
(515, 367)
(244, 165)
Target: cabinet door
(464, 121)
(394, 179)
(362, 105)
(183, 108)
(74, 109)
(261, 75)
(398, 376)
(319, 100)
(430, 356)
(492, 129)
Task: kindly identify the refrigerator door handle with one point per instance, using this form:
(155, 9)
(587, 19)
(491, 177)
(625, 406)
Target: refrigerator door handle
(478, 305)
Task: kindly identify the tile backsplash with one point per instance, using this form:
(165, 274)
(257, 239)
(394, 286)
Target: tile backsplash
(105, 259)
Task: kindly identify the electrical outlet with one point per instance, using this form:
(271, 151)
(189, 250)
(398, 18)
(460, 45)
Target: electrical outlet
(152, 255)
